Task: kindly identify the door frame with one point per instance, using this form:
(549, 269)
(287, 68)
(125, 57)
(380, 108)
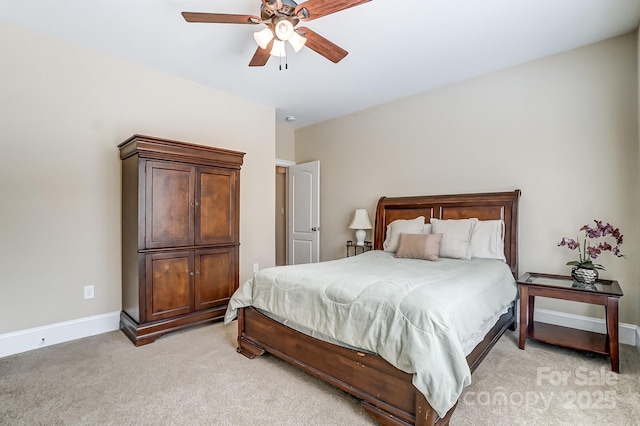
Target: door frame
(286, 164)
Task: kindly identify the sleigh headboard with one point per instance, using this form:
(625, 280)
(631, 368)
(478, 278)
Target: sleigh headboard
(484, 206)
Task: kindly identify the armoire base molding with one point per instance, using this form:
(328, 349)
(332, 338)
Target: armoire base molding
(149, 332)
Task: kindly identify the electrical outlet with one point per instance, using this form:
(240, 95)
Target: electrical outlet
(88, 292)
(256, 267)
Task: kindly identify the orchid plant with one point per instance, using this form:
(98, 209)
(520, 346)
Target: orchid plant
(589, 251)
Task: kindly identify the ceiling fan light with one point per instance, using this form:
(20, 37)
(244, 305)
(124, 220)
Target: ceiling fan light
(263, 37)
(297, 41)
(278, 49)
(284, 29)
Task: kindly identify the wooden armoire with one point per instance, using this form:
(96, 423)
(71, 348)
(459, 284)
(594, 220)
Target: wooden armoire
(180, 234)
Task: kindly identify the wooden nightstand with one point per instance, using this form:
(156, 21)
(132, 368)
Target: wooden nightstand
(353, 248)
(603, 292)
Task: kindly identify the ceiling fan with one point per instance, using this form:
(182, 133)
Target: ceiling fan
(281, 18)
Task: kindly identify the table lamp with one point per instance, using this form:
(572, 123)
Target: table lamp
(360, 222)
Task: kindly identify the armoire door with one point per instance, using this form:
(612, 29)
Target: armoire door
(216, 206)
(215, 277)
(170, 204)
(169, 284)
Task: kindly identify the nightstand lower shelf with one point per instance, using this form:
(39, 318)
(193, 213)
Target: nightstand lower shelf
(568, 337)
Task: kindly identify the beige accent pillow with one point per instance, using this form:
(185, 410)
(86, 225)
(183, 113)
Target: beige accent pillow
(456, 241)
(401, 226)
(419, 246)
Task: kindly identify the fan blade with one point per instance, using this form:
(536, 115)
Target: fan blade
(316, 42)
(261, 56)
(220, 18)
(319, 8)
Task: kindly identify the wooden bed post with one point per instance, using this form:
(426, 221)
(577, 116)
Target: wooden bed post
(245, 347)
(425, 415)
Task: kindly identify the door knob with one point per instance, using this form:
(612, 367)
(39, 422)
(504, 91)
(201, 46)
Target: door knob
(315, 228)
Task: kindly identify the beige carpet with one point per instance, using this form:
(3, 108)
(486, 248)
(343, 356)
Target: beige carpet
(195, 377)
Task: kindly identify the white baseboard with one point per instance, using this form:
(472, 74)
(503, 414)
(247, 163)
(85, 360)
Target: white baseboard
(52, 334)
(628, 334)
(39, 337)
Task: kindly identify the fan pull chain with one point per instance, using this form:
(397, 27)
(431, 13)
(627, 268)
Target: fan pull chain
(286, 60)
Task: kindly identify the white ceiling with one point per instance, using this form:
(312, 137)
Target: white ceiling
(396, 48)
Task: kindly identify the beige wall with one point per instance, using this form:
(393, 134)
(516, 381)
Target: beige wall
(285, 143)
(563, 129)
(637, 192)
(64, 110)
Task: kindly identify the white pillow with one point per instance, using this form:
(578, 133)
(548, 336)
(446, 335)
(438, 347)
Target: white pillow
(456, 239)
(401, 226)
(487, 240)
(426, 228)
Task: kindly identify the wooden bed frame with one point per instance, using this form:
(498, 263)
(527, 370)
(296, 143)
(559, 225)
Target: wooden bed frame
(386, 393)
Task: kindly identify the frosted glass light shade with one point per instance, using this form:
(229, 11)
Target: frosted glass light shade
(278, 49)
(297, 41)
(284, 29)
(360, 222)
(263, 37)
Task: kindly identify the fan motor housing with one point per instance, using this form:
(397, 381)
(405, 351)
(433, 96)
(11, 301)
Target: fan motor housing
(286, 11)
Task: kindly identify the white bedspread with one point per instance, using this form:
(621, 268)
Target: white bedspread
(413, 313)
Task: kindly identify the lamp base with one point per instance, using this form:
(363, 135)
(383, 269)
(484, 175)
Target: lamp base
(360, 235)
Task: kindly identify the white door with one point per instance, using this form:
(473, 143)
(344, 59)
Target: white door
(303, 236)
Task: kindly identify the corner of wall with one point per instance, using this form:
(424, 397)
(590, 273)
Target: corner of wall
(638, 127)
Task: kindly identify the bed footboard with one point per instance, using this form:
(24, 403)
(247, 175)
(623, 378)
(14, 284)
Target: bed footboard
(386, 393)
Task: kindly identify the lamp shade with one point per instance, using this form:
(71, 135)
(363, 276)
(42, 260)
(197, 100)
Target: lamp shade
(297, 41)
(278, 49)
(360, 220)
(284, 30)
(263, 37)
